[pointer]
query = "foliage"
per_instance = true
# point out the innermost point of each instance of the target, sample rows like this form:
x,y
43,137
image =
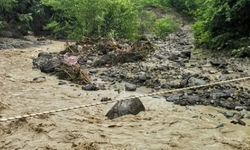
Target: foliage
x,y
22,15
146,22
165,26
94,18
222,24
185,7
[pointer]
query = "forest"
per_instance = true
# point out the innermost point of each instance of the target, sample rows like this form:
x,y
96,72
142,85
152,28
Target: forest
x,y
217,24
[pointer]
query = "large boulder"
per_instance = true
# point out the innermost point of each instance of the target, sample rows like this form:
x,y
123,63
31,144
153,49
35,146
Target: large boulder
x,y
126,107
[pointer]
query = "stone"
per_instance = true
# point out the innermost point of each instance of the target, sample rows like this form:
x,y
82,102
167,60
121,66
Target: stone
x,y
192,81
239,108
90,87
105,99
93,71
173,97
192,100
50,65
62,83
228,114
186,53
39,79
125,107
130,87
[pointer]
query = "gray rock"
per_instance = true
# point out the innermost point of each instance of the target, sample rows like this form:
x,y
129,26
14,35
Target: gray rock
x,y
186,53
105,99
192,81
130,87
239,108
220,125
192,100
50,65
228,114
90,87
173,97
93,71
39,79
62,83
126,107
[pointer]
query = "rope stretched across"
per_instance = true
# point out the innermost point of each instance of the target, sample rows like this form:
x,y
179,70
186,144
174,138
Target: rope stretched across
x,y
111,101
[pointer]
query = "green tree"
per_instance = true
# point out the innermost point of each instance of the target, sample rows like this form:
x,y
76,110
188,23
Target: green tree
x,y
222,24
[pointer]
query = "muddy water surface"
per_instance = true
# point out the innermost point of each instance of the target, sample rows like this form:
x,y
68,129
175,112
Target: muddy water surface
x,y
162,126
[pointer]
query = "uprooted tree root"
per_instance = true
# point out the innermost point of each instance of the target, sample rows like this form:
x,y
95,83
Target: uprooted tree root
x,y
74,73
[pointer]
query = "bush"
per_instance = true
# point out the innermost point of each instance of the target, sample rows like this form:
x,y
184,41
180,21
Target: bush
x,y
165,26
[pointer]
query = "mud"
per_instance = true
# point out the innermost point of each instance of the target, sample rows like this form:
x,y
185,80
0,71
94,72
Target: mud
x,y
162,126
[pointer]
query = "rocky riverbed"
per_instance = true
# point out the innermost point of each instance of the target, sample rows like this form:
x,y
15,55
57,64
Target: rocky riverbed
x,y
172,121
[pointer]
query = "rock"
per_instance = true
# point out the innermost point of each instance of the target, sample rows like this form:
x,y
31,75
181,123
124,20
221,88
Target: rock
x,y
50,65
186,53
219,63
39,79
228,114
238,122
62,83
192,100
220,125
192,81
175,83
126,107
105,99
90,87
173,97
181,102
130,87
142,77
241,122
46,62
227,105
93,71
239,108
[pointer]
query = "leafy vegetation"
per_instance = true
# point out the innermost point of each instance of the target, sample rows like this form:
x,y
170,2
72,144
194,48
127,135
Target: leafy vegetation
x,y
165,26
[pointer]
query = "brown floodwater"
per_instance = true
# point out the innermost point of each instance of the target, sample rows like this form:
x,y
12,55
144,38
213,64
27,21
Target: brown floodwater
x,y
162,126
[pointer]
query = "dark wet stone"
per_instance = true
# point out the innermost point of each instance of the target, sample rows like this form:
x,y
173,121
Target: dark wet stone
x,y
181,102
82,61
62,83
227,105
93,71
186,53
50,65
228,114
46,62
90,87
241,122
192,100
130,87
219,63
105,99
173,97
126,107
39,79
225,72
